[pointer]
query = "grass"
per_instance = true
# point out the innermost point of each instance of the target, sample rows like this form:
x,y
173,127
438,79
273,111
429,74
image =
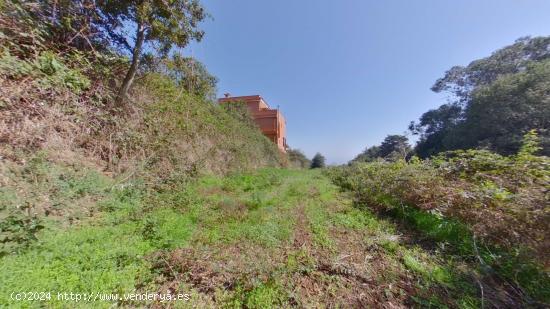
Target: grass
x,y
103,251
513,277
459,240
43,193
86,258
270,238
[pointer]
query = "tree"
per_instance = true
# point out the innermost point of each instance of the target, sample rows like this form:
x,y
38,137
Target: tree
x,y
160,25
433,128
103,25
298,159
494,101
462,81
191,75
500,114
394,147
368,155
46,23
318,161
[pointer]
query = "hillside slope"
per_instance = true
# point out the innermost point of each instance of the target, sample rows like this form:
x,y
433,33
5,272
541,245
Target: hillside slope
x,y
83,177
66,143
62,138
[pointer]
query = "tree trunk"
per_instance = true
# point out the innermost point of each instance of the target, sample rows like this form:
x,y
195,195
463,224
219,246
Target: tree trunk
x,y
129,78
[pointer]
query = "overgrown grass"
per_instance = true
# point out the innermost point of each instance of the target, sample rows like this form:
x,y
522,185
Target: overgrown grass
x,y
63,101
107,255
105,252
42,193
83,258
264,295
459,241
251,221
244,208
467,204
185,134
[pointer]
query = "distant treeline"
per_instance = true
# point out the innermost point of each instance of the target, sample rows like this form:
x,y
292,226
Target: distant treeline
x,y
492,103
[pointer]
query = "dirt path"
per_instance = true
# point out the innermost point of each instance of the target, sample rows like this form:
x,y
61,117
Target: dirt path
x,y
291,239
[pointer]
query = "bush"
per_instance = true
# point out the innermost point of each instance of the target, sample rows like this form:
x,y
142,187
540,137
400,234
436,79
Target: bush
x,y
460,196
298,159
61,98
501,199
318,161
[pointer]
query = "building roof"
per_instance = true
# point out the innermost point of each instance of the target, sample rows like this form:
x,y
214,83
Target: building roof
x,y
243,98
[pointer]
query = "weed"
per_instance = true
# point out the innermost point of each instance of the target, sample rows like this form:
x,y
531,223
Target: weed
x,y
481,207
264,295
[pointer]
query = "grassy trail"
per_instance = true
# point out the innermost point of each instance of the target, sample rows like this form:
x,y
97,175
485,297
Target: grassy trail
x,y
270,238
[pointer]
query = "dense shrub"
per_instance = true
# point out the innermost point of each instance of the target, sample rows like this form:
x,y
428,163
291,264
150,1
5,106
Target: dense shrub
x,y
488,209
297,158
504,200
318,161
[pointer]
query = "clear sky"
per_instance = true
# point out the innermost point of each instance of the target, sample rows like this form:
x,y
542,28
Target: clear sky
x,y
347,73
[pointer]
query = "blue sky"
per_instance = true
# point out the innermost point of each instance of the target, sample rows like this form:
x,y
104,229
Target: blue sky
x,y
347,73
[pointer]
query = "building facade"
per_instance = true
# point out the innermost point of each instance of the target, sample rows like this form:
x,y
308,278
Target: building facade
x,y
270,121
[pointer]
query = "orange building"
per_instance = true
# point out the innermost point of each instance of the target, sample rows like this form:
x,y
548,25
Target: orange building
x,y
271,121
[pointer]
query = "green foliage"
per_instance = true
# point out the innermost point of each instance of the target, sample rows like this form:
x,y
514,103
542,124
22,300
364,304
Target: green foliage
x,y
59,74
429,272
105,254
393,148
42,193
115,251
17,231
47,69
511,85
318,223
157,25
265,295
298,159
461,81
253,217
20,30
458,197
530,146
521,98
14,66
82,258
66,70
433,128
240,111
368,155
87,259
168,24
190,74
188,135
318,161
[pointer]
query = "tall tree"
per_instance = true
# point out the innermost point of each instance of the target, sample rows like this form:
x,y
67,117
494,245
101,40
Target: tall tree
x,y
462,81
318,161
500,114
159,25
394,147
191,75
458,124
368,155
434,126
